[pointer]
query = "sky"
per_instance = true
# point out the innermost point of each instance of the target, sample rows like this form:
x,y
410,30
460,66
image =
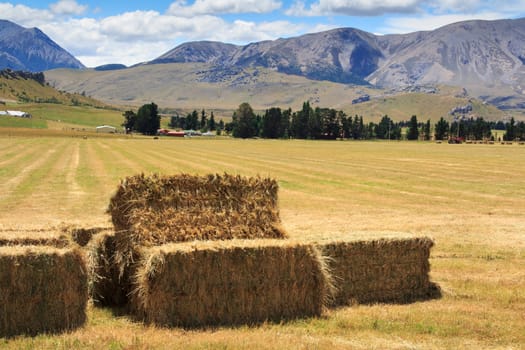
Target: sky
x,y
133,31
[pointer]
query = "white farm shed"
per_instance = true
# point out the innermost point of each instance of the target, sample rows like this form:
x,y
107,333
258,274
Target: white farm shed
x,y
106,129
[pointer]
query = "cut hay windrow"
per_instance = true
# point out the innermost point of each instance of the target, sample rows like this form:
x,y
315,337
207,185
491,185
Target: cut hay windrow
x,y
153,210
386,270
42,290
229,282
104,285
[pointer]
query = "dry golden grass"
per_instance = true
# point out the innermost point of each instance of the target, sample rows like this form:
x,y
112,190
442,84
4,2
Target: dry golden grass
x,y
469,198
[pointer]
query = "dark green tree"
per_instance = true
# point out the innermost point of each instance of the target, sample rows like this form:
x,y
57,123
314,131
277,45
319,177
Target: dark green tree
x,y
130,118
383,130
192,121
441,129
212,125
244,122
358,128
427,131
302,121
204,121
271,123
413,129
510,130
148,119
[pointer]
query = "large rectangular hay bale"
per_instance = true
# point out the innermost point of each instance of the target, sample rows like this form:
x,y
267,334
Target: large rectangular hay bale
x,y
42,289
162,209
392,270
229,282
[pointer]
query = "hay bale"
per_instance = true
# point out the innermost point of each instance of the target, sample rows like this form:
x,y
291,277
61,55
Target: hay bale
x,y
105,288
229,283
82,235
153,210
42,289
37,237
392,270
229,204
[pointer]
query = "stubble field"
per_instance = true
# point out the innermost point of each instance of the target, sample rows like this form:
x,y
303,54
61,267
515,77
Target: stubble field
x,y
469,198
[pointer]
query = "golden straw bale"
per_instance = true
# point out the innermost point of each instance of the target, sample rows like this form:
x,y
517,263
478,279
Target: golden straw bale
x,y
46,237
394,270
229,282
154,210
42,290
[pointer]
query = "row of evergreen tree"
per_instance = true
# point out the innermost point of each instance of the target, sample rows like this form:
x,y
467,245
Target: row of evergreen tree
x,y
321,123
328,123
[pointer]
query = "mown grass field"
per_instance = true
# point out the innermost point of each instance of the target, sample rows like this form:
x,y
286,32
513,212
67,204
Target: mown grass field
x,y
470,198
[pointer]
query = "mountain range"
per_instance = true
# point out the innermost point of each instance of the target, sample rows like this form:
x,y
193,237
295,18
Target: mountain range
x,y
481,56
29,49
485,58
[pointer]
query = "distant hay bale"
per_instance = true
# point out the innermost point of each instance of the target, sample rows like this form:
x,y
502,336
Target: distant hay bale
x,y
229,282
42,290
81,235
386,270
104,285
153,210
38,237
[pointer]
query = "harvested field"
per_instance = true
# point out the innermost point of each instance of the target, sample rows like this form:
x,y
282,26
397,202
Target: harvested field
x,y
470,201
230,282
42,289
394,270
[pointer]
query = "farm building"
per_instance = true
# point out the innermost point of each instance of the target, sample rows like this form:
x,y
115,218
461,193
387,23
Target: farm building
x,y
18,114
106,129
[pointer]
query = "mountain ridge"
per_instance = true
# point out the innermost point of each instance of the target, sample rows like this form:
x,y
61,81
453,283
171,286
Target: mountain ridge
x,y
478,55
32,50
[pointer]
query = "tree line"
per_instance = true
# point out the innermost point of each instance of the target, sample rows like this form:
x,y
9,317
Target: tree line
x,y
321,123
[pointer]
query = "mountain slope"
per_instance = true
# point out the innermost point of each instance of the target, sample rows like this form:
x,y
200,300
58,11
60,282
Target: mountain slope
x,y
485,57
31,50
468,53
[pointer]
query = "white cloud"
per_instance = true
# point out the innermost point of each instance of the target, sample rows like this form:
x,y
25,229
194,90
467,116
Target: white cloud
x,y
67,7
354,7
24,15
401,25
216,7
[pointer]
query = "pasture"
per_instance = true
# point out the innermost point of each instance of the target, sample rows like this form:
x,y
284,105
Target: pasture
x,y
469,198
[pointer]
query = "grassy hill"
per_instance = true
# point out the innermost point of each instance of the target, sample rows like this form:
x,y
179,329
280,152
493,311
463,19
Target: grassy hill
x,y
183,87
50,108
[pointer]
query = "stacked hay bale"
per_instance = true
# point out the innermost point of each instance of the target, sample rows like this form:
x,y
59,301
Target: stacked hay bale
x,y
229,282
153,210
205,250
392,270
43,286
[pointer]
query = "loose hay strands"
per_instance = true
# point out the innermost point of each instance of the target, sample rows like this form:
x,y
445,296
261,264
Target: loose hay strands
x,y
42,289
392,270
230,282
104,285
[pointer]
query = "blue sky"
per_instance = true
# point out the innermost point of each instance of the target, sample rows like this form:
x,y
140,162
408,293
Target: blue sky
x,y
129,32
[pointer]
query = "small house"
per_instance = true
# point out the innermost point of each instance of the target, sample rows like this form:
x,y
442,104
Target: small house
x,y
106,129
